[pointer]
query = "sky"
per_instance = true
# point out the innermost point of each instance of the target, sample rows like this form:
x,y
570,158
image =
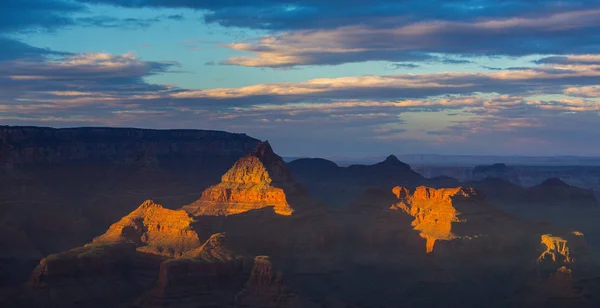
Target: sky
x,y
350,78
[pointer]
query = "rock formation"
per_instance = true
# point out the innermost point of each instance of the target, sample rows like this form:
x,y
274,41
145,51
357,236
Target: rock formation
x,y
154,229
266,288
558,249
61,187
209,276
433,209
255,181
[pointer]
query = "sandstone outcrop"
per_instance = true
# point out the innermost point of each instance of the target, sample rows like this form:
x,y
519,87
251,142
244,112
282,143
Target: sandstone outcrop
x,y
154,229
433,209
209,276
255,181
558,249
266,288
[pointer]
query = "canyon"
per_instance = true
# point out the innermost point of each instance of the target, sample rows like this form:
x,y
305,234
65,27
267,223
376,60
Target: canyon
x,y
263,233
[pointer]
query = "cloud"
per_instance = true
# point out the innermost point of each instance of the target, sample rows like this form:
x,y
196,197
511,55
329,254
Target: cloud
x,y
84,67
590,91
565,32
13,49
571,59
107,89
19,15
22,16
546,79
313,14
404,65
121,23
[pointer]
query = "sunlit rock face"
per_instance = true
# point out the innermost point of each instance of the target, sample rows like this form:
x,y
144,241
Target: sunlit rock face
x,y
255,181
433,210
154,229
558,249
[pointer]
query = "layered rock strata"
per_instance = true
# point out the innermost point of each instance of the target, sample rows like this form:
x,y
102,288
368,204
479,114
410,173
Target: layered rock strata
x,y
255,181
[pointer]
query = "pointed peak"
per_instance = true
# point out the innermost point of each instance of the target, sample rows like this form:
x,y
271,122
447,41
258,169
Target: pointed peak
x,y
392,158
149,204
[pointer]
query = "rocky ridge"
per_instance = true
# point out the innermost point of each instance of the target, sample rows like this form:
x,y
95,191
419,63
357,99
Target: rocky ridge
x,y
154,229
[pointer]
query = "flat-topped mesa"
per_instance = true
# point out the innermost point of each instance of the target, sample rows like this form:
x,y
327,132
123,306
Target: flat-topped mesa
x,y
255,181
433,209
154,229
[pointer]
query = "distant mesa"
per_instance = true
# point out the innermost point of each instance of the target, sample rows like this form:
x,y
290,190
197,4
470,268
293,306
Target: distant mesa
x,y
551,192
555,192
255,181
500,171
154,229
338,186
26,146
433,209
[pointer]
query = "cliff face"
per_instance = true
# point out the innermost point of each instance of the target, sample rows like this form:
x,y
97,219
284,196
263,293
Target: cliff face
x,y
155,230
39,145
255,181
